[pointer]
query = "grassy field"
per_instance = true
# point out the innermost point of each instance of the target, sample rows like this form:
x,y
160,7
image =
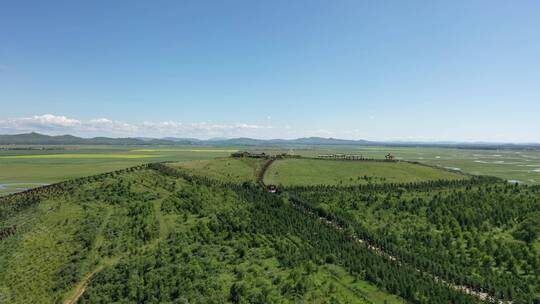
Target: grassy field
x,y
37,167
514,165
292,172
226,169
80,156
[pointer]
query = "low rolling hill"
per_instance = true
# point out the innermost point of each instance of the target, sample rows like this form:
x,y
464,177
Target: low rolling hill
x,y
205,232
302,172
146,235
237,170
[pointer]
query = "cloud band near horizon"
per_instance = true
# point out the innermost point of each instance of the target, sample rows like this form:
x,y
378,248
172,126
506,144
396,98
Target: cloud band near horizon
x,y
51,124
59,125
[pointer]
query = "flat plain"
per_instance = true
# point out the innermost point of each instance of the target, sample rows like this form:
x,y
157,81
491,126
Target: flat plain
x,y
21,169
296,172
516,165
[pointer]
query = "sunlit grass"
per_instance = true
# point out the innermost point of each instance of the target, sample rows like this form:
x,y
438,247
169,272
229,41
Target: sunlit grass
x,y
81,155
187,150
225,169
338,172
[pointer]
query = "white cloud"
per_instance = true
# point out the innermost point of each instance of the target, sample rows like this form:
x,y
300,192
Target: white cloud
x,y
55,120
202,129
45,122
104,124
53,124
58,124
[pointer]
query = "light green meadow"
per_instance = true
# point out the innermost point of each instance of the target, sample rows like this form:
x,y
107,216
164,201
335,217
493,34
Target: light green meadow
x,y
296,172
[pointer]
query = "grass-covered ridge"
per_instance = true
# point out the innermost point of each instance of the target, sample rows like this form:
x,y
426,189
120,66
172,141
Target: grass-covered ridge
x,y
161,233
33,166
306,172
45,164
144,236
235,170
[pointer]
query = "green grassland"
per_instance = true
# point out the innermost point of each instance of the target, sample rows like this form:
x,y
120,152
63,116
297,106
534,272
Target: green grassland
x,y
80,155
66,162
510,164
144,237
228,169
51,166
515,165
295,172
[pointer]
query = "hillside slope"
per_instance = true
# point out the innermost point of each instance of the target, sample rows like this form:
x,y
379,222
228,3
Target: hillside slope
x,y
144,236
156,234
234,170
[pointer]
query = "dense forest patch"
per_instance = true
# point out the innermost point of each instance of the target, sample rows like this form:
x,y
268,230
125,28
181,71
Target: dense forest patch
x,y
144,236
482,236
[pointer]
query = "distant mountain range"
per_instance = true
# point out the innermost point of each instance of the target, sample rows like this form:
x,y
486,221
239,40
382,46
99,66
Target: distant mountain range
x,y
41,139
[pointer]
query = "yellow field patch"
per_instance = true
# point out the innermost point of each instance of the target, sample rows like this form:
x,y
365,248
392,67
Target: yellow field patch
x,y
73,156
187,150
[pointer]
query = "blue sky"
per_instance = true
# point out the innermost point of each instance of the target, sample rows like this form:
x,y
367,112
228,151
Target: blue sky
x,y
383,70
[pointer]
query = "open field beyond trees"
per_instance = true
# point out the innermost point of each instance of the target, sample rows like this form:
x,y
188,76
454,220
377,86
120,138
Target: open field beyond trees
x,y
297,172
21,169
228,169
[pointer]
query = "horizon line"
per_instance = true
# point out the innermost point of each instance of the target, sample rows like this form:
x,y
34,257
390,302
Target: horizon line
x,y
381,141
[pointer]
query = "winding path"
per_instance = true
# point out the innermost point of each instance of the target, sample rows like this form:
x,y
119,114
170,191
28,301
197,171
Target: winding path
x,y
262,172
80,288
